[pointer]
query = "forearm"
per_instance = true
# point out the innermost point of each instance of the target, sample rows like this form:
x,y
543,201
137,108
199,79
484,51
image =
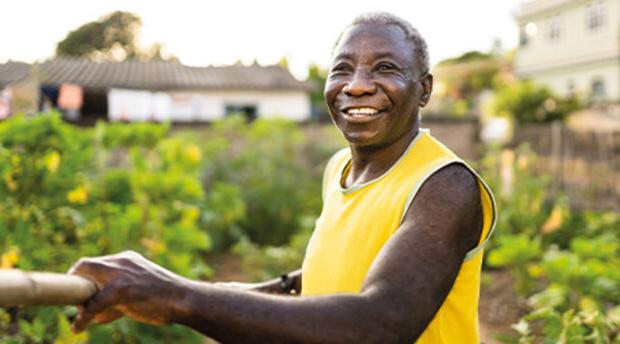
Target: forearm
x,y
232,315
287,284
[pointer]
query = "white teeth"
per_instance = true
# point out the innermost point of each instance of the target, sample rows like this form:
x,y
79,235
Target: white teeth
x,y
362,111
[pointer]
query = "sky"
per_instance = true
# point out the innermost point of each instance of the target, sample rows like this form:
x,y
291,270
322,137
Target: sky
x,y
222,32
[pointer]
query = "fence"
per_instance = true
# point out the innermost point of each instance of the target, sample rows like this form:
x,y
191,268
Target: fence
x,y
584,165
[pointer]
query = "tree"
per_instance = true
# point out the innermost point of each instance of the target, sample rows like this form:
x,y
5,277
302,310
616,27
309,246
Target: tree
x,y
317,76
460,81
527,102
111,37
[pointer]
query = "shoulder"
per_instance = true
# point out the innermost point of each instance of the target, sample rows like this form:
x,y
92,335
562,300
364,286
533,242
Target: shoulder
x,y
449,204
452,182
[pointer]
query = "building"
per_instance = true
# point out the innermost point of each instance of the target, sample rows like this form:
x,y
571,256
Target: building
x,y
154,90
571,46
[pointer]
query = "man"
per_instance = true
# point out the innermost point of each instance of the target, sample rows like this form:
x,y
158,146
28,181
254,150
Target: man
x,y
395,253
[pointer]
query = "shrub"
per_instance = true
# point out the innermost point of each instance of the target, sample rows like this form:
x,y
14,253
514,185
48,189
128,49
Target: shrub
x,y
526,102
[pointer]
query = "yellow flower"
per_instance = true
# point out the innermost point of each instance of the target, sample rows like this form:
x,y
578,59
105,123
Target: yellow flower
x,y
11,184
78,195
52,161
535,270
523,162
154,247
587,303
9,259
190,216
192,153
554,222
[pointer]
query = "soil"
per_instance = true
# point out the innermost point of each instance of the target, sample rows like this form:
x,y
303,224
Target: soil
x,y
499,306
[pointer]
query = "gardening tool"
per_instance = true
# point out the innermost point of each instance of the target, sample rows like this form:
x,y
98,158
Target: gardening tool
x,y
19,288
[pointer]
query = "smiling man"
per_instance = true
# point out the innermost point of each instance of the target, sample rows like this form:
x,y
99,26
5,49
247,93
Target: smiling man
x,y
396,253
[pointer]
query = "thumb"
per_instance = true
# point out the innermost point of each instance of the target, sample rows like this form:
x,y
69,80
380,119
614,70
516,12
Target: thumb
x,y
101,302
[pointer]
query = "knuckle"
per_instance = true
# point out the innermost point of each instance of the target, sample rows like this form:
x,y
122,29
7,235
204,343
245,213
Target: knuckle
x,y
80,265
131,253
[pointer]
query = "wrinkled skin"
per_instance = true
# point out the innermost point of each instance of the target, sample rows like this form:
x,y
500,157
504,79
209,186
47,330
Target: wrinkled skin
x,y
406,283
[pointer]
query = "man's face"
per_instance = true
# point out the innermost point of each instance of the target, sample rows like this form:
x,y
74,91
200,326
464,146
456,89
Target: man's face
x,y
372,90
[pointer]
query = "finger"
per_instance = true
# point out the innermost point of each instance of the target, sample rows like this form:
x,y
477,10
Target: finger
x,y
105,299
107,316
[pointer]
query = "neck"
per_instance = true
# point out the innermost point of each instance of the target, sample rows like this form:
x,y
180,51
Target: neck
x,y
368,163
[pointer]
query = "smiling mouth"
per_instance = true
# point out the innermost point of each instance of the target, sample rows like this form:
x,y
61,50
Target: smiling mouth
x,y
361,112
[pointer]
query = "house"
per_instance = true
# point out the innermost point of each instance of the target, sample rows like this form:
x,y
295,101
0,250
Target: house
x,y
157,90
571,46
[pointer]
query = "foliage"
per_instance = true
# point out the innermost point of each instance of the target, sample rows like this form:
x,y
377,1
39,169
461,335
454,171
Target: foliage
x,y
116,30
317,76
112,37
462,79
468,56
527,102
565,262
275,168
267,262
67,192
60,199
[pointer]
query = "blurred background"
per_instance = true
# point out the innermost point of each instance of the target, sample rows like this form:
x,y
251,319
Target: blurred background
x,y
197,135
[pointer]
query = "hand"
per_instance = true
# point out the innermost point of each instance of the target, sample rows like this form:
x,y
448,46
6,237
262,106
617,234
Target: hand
x,y
130,285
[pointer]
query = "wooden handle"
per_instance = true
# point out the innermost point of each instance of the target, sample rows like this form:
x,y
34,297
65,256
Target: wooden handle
x,y
43,288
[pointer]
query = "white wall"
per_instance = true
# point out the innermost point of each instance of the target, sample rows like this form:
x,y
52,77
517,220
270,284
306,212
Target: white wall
x,y
293,105
190,105
582,77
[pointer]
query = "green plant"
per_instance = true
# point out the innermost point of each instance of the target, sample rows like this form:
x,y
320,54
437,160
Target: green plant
x,y
527,102
60,200
565,262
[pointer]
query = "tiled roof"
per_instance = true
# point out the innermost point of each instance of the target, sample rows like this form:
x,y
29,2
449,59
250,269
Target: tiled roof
x,y
154,75
11,72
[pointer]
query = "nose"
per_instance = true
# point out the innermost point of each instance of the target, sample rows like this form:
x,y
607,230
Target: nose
x,y
360,84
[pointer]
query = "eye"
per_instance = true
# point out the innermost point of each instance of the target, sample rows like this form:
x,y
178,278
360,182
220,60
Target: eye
x,y
386,67
341,68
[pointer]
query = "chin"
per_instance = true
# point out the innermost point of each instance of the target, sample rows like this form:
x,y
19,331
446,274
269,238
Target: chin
x,y
361,139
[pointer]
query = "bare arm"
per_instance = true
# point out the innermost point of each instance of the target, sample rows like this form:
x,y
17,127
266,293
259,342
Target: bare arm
x,y
405,286
287,284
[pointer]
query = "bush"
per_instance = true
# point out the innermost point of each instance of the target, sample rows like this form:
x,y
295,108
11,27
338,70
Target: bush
x,y
565,262
59,201
67,192
277,171
526,102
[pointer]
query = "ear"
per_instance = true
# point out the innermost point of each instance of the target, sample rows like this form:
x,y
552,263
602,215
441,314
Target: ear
x,y
427,89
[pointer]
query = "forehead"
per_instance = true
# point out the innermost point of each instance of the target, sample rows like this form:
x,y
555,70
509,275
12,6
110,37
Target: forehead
x,y
375,40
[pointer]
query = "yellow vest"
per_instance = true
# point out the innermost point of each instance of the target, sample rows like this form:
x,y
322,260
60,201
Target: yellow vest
x,y
356,222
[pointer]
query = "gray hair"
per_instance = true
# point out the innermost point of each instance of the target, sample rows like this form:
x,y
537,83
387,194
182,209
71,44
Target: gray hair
x,y
420,49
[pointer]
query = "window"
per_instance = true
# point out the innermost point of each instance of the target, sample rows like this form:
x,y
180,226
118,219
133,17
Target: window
x,y
553,28
598,88
247,111
570,87
595,15
526,32
522,37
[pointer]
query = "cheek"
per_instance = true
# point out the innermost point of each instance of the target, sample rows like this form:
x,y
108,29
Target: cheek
x,y
331,90
404,96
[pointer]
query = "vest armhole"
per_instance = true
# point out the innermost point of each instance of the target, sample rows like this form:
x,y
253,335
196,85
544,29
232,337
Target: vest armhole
x,y
473,252
327,174
436,166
